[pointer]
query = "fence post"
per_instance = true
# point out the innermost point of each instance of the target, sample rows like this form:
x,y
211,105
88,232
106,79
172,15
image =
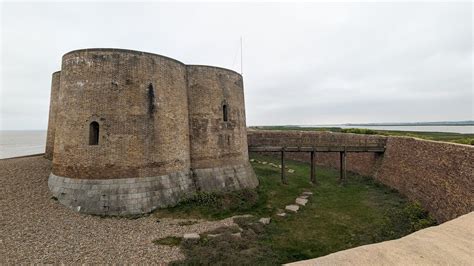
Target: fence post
x,y
313,168
283,176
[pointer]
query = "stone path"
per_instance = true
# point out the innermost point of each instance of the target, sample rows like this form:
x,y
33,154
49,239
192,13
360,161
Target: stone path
x,y
300,201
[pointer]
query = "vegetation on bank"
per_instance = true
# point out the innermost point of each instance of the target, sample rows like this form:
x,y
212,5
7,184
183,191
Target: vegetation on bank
x,y
336,217
436,136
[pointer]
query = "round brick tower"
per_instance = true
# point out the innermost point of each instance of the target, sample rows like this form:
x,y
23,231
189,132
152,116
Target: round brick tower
x,y
121,138
219,152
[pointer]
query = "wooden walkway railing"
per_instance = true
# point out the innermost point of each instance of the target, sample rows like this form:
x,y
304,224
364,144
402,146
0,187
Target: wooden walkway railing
x,y
343,150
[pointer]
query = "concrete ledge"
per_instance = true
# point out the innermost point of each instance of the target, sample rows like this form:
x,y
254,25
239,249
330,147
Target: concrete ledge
x,y
130,196
125,196
225,178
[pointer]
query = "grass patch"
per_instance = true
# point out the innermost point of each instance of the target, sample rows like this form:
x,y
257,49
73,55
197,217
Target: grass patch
x,y
168,241
335,218
228,248
213,205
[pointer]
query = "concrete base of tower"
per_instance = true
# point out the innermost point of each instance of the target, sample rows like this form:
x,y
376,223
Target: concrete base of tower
x,y
225,178
132,196
125,196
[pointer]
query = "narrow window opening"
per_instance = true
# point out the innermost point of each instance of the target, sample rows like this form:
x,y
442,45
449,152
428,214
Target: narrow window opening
x,y
94,133
151,99
225,112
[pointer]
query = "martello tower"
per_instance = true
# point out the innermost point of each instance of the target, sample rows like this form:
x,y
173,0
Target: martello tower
x,y
131,131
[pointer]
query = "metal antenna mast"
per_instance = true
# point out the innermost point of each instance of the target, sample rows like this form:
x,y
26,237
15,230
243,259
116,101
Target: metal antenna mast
x,y
241,57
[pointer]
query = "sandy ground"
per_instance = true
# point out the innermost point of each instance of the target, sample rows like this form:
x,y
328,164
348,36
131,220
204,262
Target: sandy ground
x,y
451,243
36,229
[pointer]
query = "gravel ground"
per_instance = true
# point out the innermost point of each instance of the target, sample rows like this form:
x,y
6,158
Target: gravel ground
x,y
37,229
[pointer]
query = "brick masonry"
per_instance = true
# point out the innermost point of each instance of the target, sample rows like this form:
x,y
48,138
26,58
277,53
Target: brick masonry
x,y
52,115
157,117
438,175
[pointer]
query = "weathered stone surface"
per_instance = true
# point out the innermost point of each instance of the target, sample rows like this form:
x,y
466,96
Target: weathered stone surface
x,y
52,115
291,171
265,220
307,193
292,208
281,214
303,196
121,196
301,201
239,235
225,178
191,236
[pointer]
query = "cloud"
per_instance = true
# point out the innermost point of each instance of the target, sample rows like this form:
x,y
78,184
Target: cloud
x,y
304,63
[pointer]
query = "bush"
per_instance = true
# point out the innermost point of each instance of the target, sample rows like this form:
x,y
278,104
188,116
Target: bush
x,y
401,222
241,200
359,131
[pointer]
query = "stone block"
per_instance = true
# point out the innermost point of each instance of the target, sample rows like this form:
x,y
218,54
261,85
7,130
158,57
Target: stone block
x,y
191,236
292,208
301,201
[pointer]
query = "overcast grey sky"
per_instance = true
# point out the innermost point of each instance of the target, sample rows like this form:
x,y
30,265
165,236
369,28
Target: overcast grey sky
x,y
313,63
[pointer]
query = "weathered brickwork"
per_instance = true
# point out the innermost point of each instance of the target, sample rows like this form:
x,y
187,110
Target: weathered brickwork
x,y
123,114
438,175
215,142
52,115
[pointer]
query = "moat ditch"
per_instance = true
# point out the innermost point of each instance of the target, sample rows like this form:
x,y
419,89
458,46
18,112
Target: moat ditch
x,y
336,217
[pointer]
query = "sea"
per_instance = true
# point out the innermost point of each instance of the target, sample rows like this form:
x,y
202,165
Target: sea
x,y
15,143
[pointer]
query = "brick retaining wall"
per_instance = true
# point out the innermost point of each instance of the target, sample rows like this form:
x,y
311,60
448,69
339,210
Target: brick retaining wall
x,y
439,175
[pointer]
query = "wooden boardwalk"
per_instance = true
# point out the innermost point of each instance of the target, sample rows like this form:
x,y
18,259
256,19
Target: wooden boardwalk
x,y
342,150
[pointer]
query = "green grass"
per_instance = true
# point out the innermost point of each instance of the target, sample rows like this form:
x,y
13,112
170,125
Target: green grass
x,y
336,217
168,241
436,136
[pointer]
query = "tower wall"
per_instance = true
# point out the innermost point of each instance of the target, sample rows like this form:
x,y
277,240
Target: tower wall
x,y
219,152
142,161
123,142
53,106
140,103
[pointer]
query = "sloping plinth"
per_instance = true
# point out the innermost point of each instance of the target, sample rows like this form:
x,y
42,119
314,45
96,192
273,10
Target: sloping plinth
x,y
131,196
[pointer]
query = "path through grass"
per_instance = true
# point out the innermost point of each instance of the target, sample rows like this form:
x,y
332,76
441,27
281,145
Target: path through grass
x,y
336,217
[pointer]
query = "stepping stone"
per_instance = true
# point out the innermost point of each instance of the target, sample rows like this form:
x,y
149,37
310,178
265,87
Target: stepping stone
x,y
237,235
252,160
293,208
191,236
303,196
291,171
282,214
301,201
213,235
264,162
279,166
265,220
307,193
